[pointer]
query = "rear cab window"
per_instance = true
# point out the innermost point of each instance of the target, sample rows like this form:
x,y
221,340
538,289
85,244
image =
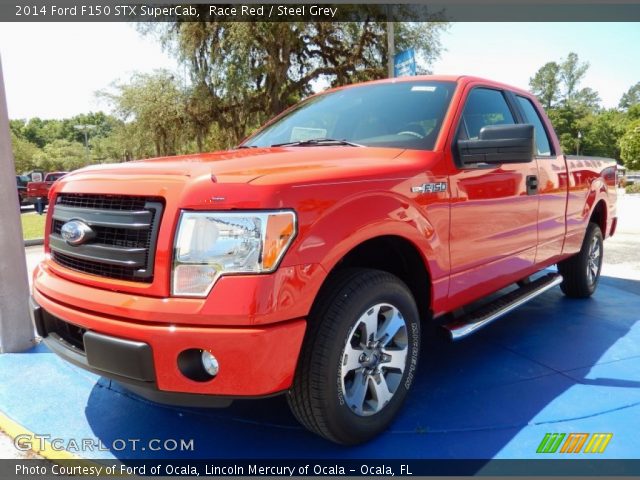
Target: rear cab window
x,y
532,116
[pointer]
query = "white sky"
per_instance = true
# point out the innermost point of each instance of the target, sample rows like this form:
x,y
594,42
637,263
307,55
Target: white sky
x,y
512,52
52,70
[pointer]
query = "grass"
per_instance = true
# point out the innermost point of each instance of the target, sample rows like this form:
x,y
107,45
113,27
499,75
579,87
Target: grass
x,y
633,188
32,225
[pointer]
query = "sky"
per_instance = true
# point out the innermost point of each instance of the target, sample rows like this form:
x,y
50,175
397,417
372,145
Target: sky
x,y
52,70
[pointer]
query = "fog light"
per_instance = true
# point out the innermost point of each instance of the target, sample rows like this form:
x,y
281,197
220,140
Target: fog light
x,y
210,363
198,365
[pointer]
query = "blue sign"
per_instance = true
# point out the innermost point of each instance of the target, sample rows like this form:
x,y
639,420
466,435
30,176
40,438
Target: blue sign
x,y
404,63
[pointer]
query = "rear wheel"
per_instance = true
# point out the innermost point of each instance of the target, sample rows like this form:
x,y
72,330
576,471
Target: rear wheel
x,y
581,272
359,357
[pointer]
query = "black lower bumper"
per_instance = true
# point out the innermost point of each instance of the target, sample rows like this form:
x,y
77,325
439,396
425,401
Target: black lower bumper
x,y
128,362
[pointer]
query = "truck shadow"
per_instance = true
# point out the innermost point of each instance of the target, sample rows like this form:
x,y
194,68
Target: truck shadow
x,y
545,367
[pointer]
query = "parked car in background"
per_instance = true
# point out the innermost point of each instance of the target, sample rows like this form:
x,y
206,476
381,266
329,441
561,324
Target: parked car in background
x,y
40,190
21,184
632,178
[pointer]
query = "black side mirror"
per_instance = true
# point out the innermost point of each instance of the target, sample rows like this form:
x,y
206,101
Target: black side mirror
x,y
499,144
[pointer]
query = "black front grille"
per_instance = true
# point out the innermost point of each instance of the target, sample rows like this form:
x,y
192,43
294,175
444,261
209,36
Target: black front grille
x,y
96,268
123,238
102,202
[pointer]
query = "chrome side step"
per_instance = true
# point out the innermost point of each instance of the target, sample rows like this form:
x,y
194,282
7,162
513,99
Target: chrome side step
x,y
471,323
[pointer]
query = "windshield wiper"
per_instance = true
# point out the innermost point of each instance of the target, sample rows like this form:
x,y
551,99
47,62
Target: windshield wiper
x,y
316,142
246,146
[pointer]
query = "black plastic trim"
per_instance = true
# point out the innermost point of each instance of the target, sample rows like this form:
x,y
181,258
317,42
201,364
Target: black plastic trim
x,y
35,311
105,355
125,358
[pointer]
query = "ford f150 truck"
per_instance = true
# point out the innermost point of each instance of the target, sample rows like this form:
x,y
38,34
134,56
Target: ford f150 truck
x,y
307,260
37,190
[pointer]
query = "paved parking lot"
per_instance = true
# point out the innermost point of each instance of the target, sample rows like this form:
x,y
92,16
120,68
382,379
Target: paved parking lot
x,y
622,251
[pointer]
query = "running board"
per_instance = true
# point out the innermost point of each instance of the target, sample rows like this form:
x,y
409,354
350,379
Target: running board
x,y
471,323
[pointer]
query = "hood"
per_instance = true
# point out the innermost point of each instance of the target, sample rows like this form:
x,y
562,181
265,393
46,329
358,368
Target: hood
x,y
260,165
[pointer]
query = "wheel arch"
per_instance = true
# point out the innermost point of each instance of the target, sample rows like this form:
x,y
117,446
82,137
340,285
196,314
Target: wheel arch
x,y
599,215
400,257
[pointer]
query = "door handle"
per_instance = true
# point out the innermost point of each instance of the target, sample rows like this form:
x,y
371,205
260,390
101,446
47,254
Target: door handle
x,y
532,184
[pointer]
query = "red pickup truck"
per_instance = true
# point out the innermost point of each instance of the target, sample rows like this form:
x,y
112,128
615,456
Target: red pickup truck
x,y
307,260
37,190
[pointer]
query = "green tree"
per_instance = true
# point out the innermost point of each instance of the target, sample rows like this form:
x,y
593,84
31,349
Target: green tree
x,y
631,97
24,153
575,111
586,99
33,132
545,84
241,74
630,146
102,125
62,155
16,127
153,105
572,72
633,113
558,84
602,132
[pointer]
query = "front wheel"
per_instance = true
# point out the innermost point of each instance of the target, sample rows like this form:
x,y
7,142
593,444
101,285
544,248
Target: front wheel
x,y
359,357
581,272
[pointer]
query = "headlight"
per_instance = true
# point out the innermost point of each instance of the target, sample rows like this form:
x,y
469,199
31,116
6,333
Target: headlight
x,y
211,244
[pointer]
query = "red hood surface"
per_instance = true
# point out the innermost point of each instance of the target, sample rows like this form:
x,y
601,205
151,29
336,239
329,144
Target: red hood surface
x,y
261,165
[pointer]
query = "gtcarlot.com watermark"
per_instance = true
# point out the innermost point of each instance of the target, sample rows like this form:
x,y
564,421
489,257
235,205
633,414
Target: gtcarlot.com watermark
x,y
41,442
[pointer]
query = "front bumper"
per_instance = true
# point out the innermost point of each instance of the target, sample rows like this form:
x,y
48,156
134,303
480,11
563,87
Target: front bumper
x,y
254,361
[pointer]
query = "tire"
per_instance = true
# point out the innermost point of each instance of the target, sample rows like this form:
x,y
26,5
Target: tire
x,y
581,272
346,389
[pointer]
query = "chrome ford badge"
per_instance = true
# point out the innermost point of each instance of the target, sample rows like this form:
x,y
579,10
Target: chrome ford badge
x,y
76,232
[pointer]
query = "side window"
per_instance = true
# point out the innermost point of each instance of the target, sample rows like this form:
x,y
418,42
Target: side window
x,y
531,116
484,107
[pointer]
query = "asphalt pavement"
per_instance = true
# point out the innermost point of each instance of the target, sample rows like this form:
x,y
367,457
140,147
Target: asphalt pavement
x,y
622,251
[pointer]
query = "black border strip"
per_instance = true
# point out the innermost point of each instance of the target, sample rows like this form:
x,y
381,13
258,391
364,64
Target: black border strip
x,y
340,467
440,10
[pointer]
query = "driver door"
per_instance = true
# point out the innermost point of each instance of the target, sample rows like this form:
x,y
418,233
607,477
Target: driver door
x,y
493,233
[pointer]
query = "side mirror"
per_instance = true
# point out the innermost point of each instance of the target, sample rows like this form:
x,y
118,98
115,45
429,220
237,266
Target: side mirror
x,y
499,144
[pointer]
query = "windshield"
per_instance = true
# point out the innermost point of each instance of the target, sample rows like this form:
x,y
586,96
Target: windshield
x,y
397,115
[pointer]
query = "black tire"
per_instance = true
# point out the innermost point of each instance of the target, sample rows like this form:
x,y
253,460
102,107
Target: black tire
x,y
581,272
320,395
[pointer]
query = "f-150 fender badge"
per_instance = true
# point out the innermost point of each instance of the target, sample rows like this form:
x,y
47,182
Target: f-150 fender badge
x,y
430,188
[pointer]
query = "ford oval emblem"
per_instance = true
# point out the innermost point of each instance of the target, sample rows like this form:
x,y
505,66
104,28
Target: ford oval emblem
x,y
76,232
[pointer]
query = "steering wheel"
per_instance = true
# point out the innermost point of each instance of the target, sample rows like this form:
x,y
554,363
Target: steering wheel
x,y
409,132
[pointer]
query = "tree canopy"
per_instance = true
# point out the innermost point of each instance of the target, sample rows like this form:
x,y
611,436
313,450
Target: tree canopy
x,y
630,98
56,144
575,111
241,74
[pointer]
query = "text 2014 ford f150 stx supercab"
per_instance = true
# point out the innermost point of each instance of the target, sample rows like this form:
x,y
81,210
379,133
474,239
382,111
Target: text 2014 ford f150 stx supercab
x,y
306,260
